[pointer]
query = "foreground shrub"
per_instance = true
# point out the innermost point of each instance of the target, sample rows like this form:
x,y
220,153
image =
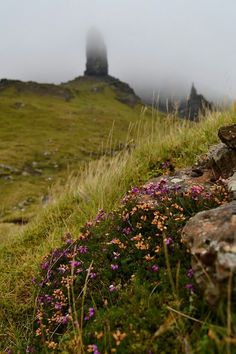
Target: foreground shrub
x,y
110,289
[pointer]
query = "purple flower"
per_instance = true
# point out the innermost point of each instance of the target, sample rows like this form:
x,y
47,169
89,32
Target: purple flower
x,y
79,270
56,253
95,349
196,191
65,319
155,268
91,312
101,215
75,264
166,164
92,275
114,266
48,298
69,241
176,187
168,241
190,273
29,349
44,299
58,305
135,190
83,249
45,265
33,280
190,288
112,288
127,230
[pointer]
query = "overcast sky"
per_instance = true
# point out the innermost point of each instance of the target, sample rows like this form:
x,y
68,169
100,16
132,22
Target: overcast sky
x,y
151,44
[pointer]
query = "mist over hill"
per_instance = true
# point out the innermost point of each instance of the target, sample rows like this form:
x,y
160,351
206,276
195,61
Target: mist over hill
x,y
158,46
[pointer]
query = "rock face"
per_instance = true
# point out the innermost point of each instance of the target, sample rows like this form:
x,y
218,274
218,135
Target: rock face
x,y
211,237
221,160
228,136
96,53
195,106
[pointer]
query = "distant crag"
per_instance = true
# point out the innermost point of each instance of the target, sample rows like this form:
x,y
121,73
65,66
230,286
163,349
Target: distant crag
x,y
192,108
97,69
96,54
195,106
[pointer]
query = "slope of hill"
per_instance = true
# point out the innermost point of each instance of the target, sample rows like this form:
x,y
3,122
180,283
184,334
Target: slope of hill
x,y
49,130
136,319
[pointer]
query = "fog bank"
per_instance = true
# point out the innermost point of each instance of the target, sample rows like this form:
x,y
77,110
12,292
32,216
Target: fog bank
x,y
159,46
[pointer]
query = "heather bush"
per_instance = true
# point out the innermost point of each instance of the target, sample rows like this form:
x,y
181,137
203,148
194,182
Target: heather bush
x,y
110,288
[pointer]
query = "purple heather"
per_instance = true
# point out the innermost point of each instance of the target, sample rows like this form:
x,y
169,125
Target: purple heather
x,y
155,268
83,249
58,305
114,266
112,288
190,273
92,275
91,311
75,264
168,241
45,265
190,288
126,230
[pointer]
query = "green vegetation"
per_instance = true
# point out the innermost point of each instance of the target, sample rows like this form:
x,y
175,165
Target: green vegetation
x,y
101,184
44,135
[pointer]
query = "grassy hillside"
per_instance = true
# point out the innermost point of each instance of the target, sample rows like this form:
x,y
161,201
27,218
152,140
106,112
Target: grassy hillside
x,y
46,132
102,184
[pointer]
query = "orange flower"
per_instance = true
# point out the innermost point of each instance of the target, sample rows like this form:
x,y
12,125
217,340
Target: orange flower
x,y
148,257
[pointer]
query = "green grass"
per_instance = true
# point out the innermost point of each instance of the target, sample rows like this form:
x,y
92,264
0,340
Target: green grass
x,y
99,184
43,138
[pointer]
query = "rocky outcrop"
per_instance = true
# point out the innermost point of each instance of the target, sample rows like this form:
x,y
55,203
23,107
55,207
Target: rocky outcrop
x,y
96,53
37,89
123,92
211,237
228,136
195,106
220,160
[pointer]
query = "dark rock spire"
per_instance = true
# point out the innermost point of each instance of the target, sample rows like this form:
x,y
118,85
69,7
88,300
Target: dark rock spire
x,y
96,53
193,92
196,105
